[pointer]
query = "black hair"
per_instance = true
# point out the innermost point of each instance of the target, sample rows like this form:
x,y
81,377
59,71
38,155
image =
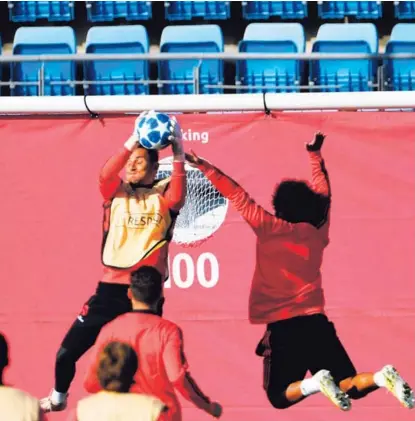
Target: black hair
x,y
153,155
4,356
147,285
295,201
117,366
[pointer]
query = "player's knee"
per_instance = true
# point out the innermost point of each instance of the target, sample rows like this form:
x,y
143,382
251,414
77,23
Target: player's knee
x,y
64,356
356,394
278,400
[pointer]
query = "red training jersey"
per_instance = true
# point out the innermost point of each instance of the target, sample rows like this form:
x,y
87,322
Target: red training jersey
x,y
287,279
161,360
173,199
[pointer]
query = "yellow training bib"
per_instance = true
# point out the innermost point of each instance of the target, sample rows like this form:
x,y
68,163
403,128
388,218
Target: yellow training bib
x,y
139,223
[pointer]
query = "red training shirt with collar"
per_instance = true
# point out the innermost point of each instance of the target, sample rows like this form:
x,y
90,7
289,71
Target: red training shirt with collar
x,y
161,360
287,279
174,196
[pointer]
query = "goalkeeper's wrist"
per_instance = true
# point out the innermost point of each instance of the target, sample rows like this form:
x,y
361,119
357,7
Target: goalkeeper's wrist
x,y
131,143
178,152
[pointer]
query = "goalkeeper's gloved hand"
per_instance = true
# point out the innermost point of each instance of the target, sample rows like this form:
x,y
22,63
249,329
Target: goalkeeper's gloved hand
x,y
176,131
134,140
317,143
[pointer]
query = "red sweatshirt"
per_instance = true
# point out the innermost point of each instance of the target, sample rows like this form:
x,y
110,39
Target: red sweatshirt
x,y
166,208
161,360
287,279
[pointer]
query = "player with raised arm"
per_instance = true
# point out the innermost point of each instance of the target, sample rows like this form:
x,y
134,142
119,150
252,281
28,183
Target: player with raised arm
x,y
139,217
158,344
287,294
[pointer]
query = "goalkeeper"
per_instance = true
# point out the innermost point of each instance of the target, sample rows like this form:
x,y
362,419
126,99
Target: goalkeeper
x,y
139,216
287,294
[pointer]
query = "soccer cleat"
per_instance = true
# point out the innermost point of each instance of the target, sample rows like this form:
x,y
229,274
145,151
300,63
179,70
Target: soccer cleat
x,y
47,404
330,389
398,386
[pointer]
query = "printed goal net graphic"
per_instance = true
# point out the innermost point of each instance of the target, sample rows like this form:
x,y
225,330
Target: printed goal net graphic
x,y
204,210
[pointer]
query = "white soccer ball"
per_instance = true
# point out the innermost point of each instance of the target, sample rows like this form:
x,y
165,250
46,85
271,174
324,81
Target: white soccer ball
x,y
154,130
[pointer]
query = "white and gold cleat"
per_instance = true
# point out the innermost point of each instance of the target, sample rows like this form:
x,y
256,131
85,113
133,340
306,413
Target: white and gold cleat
x,y
398,386
330,389
48,405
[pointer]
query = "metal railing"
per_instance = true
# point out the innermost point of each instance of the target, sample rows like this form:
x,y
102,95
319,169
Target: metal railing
x,y
195,81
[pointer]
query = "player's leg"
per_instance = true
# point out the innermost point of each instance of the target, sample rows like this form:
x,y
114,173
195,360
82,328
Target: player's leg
x,y
388,377
281,375
332,355
109,302
285,352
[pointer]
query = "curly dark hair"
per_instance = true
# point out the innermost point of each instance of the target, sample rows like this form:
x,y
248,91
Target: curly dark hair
x,y
295,201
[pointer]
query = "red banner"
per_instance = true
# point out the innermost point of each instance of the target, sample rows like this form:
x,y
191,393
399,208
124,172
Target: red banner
x,y
50,229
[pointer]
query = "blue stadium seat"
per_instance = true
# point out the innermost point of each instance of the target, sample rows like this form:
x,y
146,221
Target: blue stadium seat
x,y
400,73
30,11
58,76
263,10
345,74
405,9
107,11
187,10
271,75
358,9
129,39
191,39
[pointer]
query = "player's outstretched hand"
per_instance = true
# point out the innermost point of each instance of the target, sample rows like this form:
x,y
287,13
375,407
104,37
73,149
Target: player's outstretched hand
x,y
215,409
194,160
134,140
316,144
137,120
176,132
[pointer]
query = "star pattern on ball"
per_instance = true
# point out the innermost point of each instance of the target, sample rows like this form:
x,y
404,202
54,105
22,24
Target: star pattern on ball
x,y
154,130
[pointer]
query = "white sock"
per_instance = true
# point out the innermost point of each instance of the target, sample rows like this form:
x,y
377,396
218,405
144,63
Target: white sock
x,y
379,379
309,386
57,397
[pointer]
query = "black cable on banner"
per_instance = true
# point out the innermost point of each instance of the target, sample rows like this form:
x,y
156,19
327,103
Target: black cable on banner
x,y
91,113
266,109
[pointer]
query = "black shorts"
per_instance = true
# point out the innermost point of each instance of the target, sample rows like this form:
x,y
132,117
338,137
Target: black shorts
x,y
294,346
108,302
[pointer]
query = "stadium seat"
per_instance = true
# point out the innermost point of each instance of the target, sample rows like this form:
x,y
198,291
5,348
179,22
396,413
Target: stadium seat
x,y
107,11
58,76
30,11
263,10
117,77
271,75
400,73
342,9
345,74
191,39
187,10
405,9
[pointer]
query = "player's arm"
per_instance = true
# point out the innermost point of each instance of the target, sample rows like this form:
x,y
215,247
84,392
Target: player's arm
x,y
319,175
257,217
176,192
176,368
320,181
109,179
